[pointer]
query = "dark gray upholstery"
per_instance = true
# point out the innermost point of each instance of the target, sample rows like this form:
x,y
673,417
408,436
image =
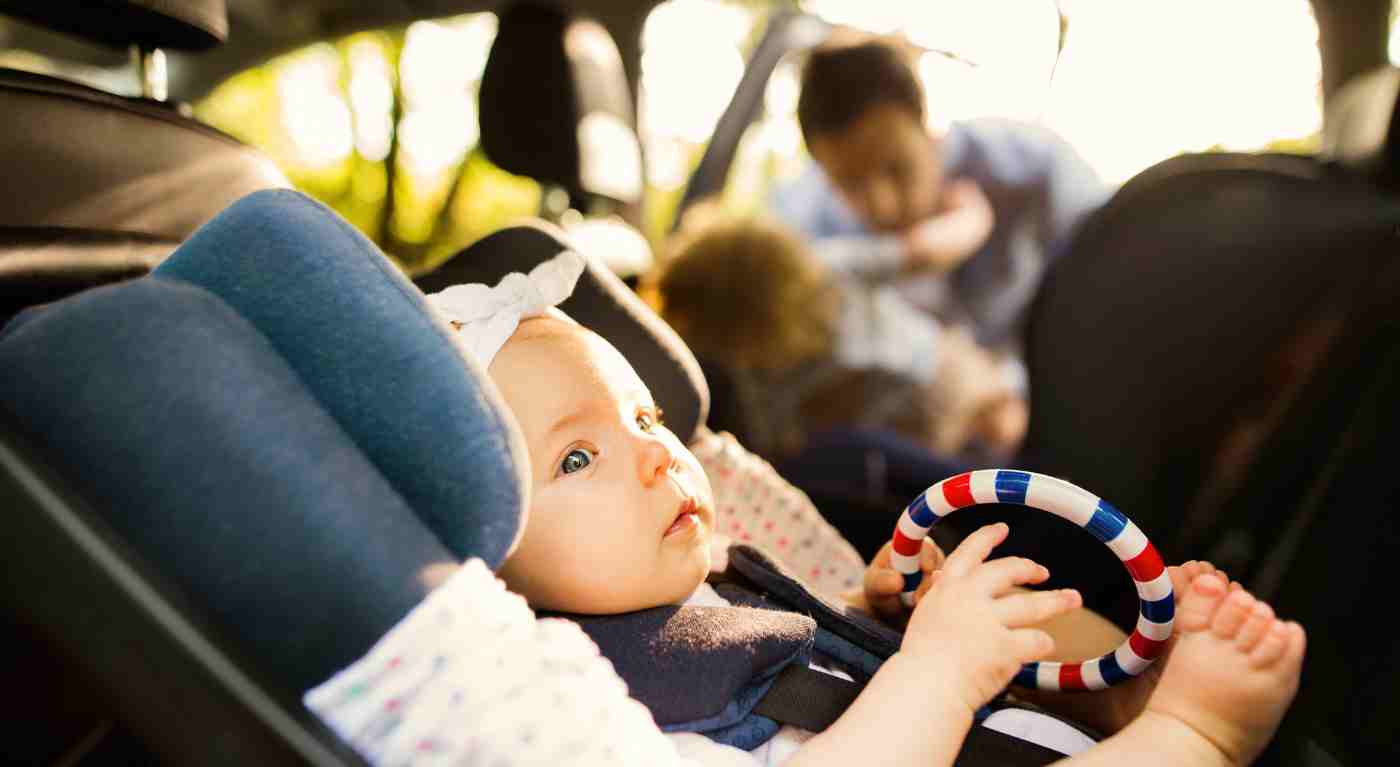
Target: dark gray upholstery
x,y
603,303
176,24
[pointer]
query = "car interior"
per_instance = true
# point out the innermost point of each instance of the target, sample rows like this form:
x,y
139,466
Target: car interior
x,y
1219,352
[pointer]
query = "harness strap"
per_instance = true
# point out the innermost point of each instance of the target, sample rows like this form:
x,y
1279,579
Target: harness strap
x,y
807,698
812,700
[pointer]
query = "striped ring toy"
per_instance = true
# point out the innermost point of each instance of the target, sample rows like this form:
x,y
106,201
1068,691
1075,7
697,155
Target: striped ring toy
x,y
1077,505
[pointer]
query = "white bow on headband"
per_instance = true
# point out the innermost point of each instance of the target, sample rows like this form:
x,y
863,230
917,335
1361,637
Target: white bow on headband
x,y
485,317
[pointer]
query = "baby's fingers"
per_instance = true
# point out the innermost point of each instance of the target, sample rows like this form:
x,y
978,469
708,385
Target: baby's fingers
x,y
999,575
1030,644
1028,608
930,557
974,549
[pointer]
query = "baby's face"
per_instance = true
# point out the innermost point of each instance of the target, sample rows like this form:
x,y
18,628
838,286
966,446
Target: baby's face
x,y
621,512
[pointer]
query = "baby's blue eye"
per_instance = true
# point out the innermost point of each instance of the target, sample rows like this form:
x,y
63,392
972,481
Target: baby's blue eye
x,y
577,459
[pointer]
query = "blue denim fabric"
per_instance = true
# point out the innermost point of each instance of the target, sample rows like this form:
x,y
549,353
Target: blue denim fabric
x,y
194,441
363,341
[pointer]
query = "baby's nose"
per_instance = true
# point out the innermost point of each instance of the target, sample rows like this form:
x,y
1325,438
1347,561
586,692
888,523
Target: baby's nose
x,y
654,460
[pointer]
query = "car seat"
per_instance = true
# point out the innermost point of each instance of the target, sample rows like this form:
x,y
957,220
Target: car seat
x,y
217,492
157,514
104,186
556,106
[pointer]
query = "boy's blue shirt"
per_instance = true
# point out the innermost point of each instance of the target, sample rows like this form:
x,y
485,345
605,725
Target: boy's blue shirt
x,y
1040,190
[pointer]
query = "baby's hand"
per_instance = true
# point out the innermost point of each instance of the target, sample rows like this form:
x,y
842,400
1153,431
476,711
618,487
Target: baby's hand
x,y
975,625
883,583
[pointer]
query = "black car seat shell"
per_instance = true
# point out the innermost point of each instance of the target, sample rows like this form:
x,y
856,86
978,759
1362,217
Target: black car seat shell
x,y
103,186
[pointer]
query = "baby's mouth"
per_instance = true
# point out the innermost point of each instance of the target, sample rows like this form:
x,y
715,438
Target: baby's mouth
x,y
687,518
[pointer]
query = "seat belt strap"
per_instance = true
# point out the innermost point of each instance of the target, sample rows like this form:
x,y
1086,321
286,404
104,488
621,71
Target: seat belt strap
x,y
807,698
813,700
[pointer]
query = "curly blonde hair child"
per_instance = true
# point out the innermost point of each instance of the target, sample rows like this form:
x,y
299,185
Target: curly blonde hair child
x,y
812,348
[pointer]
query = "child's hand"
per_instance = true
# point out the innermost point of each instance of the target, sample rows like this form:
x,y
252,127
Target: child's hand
x,y
974,625
967,396
949,237
1001,423
883,583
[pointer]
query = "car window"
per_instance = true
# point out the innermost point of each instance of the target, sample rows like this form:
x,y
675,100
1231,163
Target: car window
x,y
1126,84
382,127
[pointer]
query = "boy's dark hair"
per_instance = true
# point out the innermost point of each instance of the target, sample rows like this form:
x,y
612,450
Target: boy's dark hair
x,y
841,83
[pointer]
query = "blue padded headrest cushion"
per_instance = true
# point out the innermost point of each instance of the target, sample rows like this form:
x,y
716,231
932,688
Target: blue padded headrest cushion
x,y
364,342
192,439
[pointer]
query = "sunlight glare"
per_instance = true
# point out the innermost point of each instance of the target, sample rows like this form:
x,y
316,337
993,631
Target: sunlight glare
x,y
315,117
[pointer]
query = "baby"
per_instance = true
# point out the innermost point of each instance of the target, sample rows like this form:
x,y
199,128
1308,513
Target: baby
x,y
620,519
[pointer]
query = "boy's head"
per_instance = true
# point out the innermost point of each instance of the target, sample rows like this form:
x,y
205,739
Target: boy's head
x,y
621,512
747,293
861,110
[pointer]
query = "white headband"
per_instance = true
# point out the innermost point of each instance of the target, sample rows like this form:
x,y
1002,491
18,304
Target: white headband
x,y
484,317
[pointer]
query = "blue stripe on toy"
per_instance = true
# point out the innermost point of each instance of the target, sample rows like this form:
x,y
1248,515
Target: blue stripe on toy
x,y
1026,676
1011,486
919,511
912,581
1109,669
1106,523
1158,611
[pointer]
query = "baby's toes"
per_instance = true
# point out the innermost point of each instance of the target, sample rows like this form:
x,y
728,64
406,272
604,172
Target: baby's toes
x,y
1255,627
1273,646
1231,616
1196,568
1297,643
1199,603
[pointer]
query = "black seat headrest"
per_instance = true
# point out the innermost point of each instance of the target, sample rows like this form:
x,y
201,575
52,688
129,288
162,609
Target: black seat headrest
x,y
556,106
601,302
184,25
110,185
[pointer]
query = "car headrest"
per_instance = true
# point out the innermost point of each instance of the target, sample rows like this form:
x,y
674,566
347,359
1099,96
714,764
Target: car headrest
x,y
556,105
186,25
1362,127
364,342
195,442
602,303
92,210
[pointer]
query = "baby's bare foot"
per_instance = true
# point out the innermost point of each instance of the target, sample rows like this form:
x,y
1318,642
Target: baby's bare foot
x,y
1234,667
1123,703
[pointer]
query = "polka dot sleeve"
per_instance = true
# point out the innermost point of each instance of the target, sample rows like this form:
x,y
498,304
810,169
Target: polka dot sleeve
x,y
470,676
756,506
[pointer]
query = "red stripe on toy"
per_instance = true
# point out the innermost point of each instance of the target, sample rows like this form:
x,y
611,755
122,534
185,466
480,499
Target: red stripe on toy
x,y
1146,566
1071,677
958,490
1147,649
905,545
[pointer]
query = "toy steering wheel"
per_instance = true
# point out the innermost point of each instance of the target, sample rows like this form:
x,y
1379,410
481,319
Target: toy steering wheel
x,y
1073,503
